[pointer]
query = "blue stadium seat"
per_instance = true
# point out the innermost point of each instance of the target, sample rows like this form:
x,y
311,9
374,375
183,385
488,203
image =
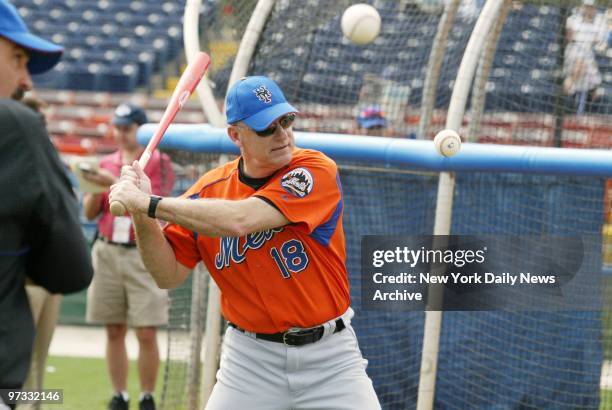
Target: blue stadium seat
x,y
80,76
27,4
115,7
91,16
146,34
60,4
146,60
34,4
74,54
122,78
51,79
175,38
148,20
143,34
159,46
32,15
125,18
66,16
172,9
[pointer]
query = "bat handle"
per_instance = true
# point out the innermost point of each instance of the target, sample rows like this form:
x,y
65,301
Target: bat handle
x,y
117,208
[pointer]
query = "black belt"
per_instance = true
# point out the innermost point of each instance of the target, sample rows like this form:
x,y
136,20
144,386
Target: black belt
x,y
125,245
295,337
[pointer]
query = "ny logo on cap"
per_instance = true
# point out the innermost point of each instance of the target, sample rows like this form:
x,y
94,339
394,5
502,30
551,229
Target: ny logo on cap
x,y
263,94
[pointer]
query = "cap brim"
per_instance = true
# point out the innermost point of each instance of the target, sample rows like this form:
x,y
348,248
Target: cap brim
x,y
44,55
264,118
122,121
372,122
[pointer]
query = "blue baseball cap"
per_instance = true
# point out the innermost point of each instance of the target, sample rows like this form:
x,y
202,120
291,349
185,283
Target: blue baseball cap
x,y
44,54
126,114
257,101
371,117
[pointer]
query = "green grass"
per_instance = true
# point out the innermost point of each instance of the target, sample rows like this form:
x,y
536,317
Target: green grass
x,y
605,400
607,317
86,383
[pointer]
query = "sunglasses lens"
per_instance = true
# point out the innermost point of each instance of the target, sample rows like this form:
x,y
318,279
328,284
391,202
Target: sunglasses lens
x,y
284,122
287,120
267,132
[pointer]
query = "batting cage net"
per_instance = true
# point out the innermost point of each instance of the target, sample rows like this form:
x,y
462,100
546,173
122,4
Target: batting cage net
x,y
544,78
526,359
184,332
333,80
187,316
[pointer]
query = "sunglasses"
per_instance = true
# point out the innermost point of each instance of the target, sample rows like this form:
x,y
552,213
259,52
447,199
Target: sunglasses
x,y
286,121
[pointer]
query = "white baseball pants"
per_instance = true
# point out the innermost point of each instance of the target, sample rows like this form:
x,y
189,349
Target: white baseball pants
x,y
326,375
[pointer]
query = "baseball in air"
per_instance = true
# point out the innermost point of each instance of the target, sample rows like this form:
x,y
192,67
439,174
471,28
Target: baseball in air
x,y
447,143
360,23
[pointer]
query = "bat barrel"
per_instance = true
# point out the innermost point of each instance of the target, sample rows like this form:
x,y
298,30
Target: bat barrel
x,y
188,82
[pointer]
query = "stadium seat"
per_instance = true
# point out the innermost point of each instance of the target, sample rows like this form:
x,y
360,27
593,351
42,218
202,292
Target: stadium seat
x,y
171,8
119,78
51,79
146,60
148,34
82,76
151,31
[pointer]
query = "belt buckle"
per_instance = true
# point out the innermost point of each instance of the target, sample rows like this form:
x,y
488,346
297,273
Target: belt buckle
x,y
310,332
288,332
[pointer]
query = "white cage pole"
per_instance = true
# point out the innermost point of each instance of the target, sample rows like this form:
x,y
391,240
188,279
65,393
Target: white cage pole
x,y
479,90
191,41
195,336
247,45
249,40
434,65
212,338
446,186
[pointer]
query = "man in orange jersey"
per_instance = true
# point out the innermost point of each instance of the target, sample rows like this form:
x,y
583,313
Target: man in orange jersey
x,y
268,226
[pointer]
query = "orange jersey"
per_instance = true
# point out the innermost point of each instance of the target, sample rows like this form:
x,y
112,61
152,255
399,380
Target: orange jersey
x,y
293,276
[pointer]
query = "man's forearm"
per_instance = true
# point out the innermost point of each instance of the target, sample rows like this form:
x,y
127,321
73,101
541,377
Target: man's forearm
x,y
210,217
92,205
156,253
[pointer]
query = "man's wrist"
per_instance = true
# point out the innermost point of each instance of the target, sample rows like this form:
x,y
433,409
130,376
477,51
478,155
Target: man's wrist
x,y
154,201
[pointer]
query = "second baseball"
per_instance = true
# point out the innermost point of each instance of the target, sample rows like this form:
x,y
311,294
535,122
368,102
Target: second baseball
x,y
360,23
447,143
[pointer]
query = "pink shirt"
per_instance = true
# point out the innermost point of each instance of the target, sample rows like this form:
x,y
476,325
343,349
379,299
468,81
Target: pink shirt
x,y
159,170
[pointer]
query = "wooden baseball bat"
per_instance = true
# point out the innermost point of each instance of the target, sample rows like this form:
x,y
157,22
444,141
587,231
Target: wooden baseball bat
x,y
187,83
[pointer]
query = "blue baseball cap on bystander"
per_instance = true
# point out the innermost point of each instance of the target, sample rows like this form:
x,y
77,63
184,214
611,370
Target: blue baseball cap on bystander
x,y
257,101
371,117
127,114
44,54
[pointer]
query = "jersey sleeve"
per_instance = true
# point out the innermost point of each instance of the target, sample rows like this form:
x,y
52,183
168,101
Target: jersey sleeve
x,y
308,193
184,244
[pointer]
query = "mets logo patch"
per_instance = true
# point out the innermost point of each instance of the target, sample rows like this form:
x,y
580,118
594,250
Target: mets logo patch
x,y
263,94
298,182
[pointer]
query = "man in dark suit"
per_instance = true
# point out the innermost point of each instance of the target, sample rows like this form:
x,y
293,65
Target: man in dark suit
x,y
40,233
